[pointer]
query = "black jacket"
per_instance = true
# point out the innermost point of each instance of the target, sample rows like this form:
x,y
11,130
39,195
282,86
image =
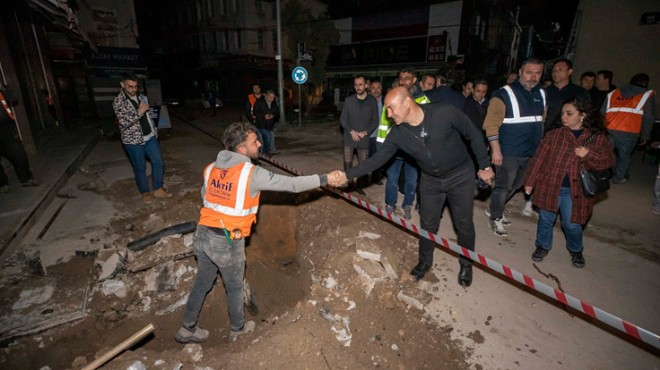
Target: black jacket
x,y
436,144
261,109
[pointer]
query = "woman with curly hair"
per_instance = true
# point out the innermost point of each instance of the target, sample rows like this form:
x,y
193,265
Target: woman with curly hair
x,y
554,176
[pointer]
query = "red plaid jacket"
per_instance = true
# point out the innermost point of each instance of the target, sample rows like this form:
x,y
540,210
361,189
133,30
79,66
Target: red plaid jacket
x,y
555,158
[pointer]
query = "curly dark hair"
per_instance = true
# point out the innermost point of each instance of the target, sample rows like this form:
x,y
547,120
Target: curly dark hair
x,y
236,134
593,119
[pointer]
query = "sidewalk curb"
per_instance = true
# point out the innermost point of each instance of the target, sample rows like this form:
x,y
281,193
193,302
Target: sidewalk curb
x,y
22,229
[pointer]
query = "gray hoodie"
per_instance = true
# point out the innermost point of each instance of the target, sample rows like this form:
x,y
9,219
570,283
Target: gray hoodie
x,y
262,179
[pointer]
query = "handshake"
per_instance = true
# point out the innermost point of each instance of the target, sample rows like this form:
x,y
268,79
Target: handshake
x,y
337,178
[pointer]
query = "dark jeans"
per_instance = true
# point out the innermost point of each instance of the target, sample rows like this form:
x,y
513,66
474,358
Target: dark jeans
x,y
12,149
215,254
625,144
508,179
138,154
458,189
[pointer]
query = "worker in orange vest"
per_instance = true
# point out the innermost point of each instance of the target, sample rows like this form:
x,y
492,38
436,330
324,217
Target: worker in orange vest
x,y
230,193
11,146
629,114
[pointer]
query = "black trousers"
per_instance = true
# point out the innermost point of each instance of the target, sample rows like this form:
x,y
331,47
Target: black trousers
x,y
458,189
12,149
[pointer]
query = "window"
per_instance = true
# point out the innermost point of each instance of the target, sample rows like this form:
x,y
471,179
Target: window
x,y
274,10
275,41
260,40
209,8
220,44
235,6
198,10
259,5
239,39
223,7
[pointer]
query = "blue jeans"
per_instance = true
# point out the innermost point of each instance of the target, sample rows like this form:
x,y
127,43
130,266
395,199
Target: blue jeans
x,y
625,144
215,254
265,136
137,155
508,179
392,185
572,231
458,189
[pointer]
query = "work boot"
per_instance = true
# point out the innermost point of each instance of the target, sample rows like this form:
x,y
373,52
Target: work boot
x,y
197,335
162,194
147,198
390,209
419,271
247,327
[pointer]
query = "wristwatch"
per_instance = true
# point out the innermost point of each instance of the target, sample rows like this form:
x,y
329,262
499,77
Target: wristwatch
x,y
486,169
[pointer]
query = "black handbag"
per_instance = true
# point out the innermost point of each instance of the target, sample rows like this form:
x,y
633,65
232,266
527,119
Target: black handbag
x,y
594,182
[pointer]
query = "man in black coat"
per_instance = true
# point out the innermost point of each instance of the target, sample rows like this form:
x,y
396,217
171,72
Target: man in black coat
x,y
266,113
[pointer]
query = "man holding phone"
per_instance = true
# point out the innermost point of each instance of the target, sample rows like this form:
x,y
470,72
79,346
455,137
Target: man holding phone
x,y
140,138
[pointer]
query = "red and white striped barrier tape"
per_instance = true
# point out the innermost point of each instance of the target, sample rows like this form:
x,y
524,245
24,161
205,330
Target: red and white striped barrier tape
x,y
605,317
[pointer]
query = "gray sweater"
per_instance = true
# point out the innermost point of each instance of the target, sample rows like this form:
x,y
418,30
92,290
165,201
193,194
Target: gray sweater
x,y
262,179
359,116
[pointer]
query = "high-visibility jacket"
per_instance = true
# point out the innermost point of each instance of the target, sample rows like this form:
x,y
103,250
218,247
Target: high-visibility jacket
x,y
252,99
227,200
6,107
385,124
625,113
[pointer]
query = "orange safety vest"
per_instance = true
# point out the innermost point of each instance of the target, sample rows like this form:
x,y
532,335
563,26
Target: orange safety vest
x,y
625,114
6,106
227,200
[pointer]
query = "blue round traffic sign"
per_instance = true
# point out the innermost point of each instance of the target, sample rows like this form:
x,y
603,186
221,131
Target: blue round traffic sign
x,y
299,75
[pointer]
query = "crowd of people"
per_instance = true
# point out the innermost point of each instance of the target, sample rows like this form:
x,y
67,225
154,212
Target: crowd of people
x,y
537,139
436,145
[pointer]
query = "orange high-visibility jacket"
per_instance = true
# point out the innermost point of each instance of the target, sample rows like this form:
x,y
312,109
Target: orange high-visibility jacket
x,y
6,107
227,200
625,113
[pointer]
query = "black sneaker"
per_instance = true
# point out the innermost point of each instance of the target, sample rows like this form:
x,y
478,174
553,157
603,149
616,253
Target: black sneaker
x,y
539,254
577,259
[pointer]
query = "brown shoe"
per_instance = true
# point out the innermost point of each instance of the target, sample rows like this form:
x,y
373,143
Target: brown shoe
x,y
162,194
147,198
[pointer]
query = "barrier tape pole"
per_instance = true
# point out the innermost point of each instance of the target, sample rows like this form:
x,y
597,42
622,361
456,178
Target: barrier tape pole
x,y
605,317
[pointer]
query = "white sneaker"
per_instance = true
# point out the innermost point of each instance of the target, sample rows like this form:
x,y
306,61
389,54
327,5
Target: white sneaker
x,y
505,220
527,210
247,327
497,227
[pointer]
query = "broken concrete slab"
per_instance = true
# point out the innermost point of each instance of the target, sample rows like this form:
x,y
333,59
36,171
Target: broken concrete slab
x,y
111,266
372,270
368,249
415,297
169,248
391,262
49,304
116,287
369,273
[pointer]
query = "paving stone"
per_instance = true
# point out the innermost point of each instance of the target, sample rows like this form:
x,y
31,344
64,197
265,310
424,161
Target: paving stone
x,y
415,297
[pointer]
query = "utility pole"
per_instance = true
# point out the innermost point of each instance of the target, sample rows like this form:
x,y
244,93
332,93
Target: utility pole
x,y
280,73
